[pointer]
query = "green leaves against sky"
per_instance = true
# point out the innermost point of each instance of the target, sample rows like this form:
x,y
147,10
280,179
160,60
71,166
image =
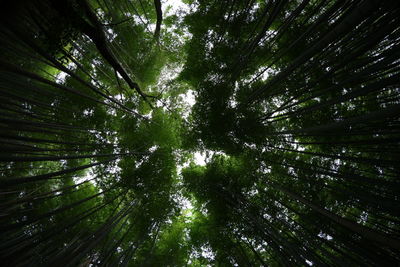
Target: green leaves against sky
x,y
199,133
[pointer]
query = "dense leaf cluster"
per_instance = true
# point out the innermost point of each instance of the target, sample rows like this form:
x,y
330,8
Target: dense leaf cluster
x,y
106,105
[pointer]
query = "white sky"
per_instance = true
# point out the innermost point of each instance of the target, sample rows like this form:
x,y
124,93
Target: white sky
x,y
189,98
175,5
200,158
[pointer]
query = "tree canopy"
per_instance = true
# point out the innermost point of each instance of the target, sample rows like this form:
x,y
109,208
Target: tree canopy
x,y
200,133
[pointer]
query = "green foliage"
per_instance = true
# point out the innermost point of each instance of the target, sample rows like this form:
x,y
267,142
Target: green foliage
x,y
296,107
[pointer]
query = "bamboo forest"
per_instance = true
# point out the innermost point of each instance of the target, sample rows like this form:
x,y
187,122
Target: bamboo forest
x,y
200,133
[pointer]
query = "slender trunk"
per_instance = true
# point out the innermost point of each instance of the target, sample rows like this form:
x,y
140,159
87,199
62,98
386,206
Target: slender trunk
x,y
157,5
51,175
363,231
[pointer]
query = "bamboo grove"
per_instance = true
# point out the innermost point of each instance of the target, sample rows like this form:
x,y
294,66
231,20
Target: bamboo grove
x,y
297,109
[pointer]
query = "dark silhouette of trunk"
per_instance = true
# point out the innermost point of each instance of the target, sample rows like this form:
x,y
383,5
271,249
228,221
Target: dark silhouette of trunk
x,y
157,5
363,231
56,158
95,31
51,175
358,14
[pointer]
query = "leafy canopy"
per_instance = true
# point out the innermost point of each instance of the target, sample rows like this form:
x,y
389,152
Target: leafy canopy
x,y
199,133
